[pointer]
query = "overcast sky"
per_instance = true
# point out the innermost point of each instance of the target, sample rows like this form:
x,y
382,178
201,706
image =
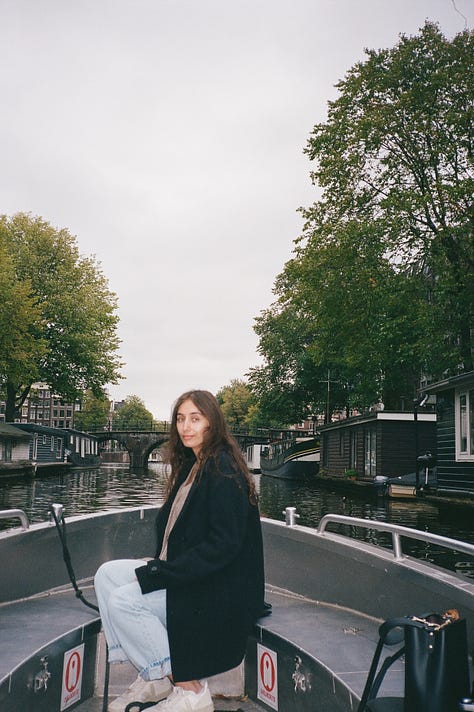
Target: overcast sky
x,y
168,137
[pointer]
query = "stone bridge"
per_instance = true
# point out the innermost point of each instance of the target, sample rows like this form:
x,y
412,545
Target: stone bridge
x,y
138,443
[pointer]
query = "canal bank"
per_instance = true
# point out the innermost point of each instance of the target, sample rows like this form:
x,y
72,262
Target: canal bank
x,y
366,487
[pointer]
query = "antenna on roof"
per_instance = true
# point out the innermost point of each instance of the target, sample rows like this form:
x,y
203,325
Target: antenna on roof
x,y
460,13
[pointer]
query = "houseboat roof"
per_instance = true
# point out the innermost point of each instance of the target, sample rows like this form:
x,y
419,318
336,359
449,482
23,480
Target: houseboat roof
x,y
10,431
399,416
43,429
450,382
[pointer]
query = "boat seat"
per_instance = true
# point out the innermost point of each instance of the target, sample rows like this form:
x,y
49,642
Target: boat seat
x,y
323,655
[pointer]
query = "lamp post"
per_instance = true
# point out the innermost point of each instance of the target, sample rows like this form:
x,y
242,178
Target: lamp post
x,y
328,381
418,402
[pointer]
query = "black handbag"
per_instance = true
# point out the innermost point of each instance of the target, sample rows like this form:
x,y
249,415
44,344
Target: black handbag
x,y
436,664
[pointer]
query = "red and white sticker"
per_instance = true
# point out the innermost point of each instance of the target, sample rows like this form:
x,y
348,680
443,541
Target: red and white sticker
x,y
72,676
267,676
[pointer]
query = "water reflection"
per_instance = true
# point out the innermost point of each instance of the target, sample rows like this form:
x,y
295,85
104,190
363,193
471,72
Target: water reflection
x,y
112,486
84,491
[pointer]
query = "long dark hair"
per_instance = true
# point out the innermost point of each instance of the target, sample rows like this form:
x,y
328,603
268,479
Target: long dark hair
x,y
217,437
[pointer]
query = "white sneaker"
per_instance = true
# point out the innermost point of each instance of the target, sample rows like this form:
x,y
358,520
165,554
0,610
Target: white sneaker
x,y
141,691
186,701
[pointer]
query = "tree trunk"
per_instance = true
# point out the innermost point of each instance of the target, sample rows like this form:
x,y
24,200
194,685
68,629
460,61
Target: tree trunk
x,y
10,405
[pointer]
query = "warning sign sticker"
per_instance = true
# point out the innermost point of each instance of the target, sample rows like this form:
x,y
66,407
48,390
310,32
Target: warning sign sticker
x,y
72,676
267,676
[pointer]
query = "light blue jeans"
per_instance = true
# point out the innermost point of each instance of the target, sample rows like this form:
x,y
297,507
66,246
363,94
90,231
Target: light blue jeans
x,y
134,624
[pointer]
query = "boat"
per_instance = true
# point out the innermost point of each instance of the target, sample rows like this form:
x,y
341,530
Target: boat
x,y
291,458
398,491
406,485
329,594
252,457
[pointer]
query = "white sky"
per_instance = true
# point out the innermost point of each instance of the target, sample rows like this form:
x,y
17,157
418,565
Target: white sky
x,y
168,137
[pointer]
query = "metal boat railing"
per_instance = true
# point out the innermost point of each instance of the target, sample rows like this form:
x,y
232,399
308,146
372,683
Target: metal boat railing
x,y
397,532
15,514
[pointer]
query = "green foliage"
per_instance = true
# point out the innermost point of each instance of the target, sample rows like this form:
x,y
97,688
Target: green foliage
x,y
71,313
133,414
21,345
236,401
94,412
381,286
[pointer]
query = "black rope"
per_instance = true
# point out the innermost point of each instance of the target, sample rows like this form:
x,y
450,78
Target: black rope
x,y
61,529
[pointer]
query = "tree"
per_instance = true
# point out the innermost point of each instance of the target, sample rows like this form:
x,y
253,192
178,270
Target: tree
x,y
21,345
397,152
242,409
235,400
94,412
132,414
381,287
73,328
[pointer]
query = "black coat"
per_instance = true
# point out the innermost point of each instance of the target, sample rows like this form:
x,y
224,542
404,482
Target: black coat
x,y
213,574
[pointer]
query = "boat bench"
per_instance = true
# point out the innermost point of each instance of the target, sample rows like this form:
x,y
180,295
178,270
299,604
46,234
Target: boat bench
x,y
323,652
35,634
314,656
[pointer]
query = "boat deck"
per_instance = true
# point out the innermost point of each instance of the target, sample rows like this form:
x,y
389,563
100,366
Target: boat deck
x,y
341,641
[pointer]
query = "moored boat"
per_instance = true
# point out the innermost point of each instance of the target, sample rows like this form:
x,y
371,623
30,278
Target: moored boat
x,y
291,458
399,491
252,457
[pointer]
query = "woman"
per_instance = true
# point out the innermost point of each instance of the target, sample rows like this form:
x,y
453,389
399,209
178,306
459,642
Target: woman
x,y
185,615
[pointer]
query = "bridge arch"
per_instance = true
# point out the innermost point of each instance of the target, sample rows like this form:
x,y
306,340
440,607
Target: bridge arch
x,y
138,444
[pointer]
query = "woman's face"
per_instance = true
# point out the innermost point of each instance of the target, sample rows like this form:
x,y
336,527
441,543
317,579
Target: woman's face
x,y
192,426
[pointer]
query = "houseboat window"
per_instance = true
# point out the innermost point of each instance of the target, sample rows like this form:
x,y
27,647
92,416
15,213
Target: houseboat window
x,y
7,451
353,450
44,439
465,424
325,447
52,444
370,464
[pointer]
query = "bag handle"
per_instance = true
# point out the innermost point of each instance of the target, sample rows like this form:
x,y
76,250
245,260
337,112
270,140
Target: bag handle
x,y
419,622
374,680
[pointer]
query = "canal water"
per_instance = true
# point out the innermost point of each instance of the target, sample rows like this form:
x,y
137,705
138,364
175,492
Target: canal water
x,y
111,486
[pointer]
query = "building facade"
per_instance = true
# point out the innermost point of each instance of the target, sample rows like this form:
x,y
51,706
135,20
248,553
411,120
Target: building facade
x,y
44,407
455,432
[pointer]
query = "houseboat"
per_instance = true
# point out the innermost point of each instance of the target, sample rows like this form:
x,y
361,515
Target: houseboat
x,y
29,448
291,458
14,451
378,444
